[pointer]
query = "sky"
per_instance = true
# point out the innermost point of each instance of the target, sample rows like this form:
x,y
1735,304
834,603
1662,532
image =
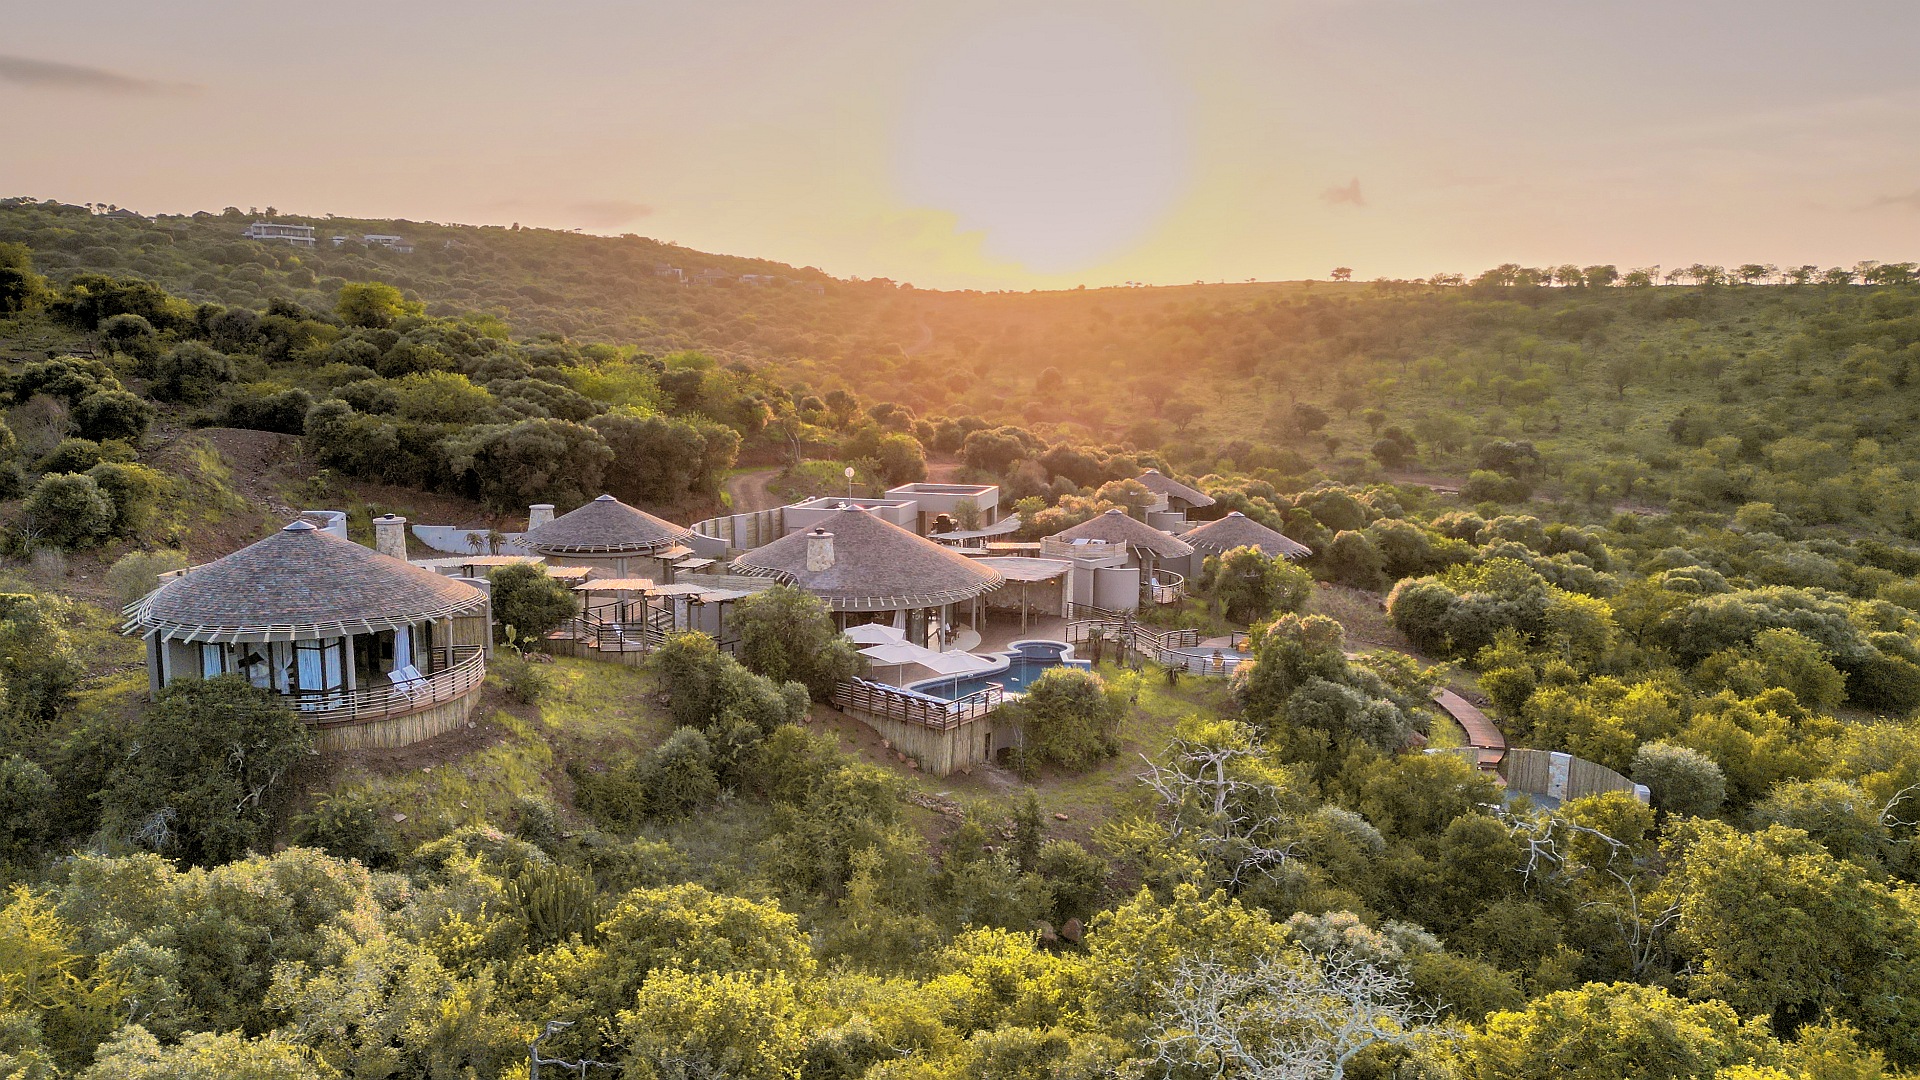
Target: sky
x,y
1029,144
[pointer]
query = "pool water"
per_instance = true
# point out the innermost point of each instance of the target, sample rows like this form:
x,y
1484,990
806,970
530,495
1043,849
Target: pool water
x,y
1024,662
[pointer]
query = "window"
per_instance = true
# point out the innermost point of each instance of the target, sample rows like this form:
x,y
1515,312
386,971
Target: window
x,y
320,666
213,661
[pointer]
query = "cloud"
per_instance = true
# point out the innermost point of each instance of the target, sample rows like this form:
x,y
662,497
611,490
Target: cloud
x,y
1909,201
1348,193
53,75
602,213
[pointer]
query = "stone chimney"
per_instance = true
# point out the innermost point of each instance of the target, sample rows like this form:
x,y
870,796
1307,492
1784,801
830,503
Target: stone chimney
x,y
539,514
390,536
819,551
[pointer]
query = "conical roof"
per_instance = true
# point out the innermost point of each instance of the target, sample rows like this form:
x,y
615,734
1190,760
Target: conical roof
x,y
300,583
1116,527
1237,530
1161,484
605,525
877,566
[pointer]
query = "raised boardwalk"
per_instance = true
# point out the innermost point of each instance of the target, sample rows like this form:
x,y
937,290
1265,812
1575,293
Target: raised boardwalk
x,y
1490,745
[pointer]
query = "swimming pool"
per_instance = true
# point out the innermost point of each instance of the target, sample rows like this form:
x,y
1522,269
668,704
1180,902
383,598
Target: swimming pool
x,y
1023,662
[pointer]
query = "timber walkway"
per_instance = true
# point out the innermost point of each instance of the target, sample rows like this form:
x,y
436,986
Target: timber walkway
x,y
1490,746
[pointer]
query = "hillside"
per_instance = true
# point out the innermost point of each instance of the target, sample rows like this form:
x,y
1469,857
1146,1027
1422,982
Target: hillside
x,y
1673,531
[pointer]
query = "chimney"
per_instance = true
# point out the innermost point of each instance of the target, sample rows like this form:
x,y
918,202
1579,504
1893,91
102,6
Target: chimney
x,y
390,536
819,551
539,514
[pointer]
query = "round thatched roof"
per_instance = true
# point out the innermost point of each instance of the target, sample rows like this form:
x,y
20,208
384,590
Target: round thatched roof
x,y
1237,530
1161,484
297,584
1116,527
604,526
876,566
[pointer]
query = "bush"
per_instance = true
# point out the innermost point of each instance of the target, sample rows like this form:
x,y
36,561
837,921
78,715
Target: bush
x,y
1353,559
525,682
72,456
1248,585
137,573
190,372
349,825
787,634
1068,719
1682,780
132,489
679,776
284,411
529,601
214,761
113,414
68,510
1485,485
26,796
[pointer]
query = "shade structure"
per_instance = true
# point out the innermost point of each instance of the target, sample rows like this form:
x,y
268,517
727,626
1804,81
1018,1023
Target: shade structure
x,y
876,634
940,663
1161,484
299,583
894,653
857,561
620,584
1237,530
605,526
1116,527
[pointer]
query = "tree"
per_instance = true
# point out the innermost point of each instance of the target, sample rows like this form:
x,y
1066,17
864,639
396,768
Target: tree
x,y
1249,585
113,414
538,460
1069,719
1292,1015
694,1024
190,372
132,489
525,598
68,510
373,304
1354,559
1605,1031
20,288
787,634
134,1054
902,459
1341,273
1683,780
206,770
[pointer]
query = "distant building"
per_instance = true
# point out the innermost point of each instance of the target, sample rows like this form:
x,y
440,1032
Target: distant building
x,y
673,272
758,279
297,235
388,241
710,276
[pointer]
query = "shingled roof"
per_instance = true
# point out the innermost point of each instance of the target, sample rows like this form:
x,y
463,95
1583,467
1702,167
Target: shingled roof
x,y
1115,527
877,566
300,583
1237,530
604,526
1161,484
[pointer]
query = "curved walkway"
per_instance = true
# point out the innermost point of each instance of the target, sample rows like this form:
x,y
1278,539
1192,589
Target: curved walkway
x,y
1482,735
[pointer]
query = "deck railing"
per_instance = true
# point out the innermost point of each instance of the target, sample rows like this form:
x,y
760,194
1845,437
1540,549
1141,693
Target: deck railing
x,y
891,703
1164,648
1167,587
464,667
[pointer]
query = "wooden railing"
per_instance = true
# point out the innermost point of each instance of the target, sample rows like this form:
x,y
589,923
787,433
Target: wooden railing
x,y
891,703
1170,588
466,669
1161,648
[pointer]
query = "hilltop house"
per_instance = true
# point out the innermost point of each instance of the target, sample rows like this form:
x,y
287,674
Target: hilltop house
x,y
1174,501
1237,530
371,650
868,569
608,536
297,235
1124,541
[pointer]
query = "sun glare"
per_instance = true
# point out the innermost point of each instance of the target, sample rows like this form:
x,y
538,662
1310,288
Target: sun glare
x,y
1063,140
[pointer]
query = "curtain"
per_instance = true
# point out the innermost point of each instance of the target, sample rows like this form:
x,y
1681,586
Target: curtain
x,y
213,660
308,666
402,647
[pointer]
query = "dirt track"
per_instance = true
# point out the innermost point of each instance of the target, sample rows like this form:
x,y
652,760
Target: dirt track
x,y
748,492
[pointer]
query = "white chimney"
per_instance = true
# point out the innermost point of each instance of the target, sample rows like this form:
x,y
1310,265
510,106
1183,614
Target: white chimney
x,y
390,535
539,514
819,551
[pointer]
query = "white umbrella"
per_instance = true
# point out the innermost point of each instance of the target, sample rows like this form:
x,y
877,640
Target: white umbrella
x,y
957,663
876,634
897,652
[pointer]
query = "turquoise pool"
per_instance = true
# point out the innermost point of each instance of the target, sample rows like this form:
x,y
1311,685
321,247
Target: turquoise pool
x,y
1022,663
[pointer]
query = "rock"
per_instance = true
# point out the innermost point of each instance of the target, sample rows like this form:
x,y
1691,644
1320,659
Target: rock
x,y
398,818
1059,816
1046,934
1071,930
886,744
914,765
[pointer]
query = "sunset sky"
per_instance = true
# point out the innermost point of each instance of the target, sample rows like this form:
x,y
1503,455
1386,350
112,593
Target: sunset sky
x,y
1010,145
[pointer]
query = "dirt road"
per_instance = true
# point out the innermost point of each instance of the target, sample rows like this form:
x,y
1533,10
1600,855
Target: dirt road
x,y
748,492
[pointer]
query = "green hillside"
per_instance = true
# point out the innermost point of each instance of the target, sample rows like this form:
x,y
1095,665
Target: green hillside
x,y
1673,530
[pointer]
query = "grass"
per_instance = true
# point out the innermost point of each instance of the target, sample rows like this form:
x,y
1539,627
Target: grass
x,y
595,711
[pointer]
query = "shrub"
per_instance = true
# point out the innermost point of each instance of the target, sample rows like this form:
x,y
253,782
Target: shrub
x,y
679,775
113,414
132,490
1682,780
68,510
1068,719
349,825
525,682
26,795
136,573
190,372
529,601
788,634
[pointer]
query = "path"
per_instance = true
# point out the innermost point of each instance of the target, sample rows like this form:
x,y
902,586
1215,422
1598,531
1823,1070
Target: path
x,y
747,491
1482,735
